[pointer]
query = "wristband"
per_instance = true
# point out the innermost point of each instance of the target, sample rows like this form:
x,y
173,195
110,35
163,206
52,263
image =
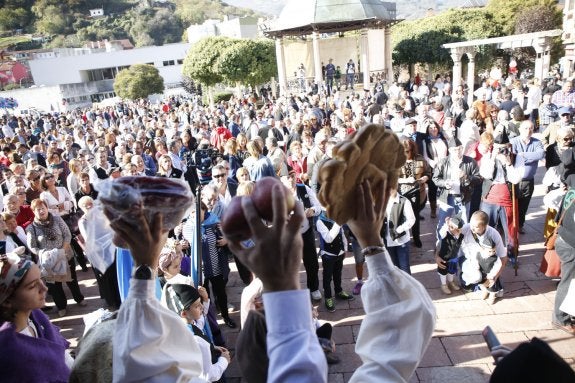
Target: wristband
x,y
144,272
371,250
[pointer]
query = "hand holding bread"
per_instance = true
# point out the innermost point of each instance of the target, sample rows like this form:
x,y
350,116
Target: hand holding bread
x,y
372,153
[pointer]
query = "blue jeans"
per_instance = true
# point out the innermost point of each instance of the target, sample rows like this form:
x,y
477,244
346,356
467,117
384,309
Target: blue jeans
x,y
400,256
454,206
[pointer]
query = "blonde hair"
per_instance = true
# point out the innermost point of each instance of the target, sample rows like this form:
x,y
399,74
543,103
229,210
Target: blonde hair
x,y
245,188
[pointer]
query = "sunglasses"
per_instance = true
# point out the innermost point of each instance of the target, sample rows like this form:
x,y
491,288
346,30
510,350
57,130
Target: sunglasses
x,y
218,175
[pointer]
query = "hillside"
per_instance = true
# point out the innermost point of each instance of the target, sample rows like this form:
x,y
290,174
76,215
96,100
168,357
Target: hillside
x,y
143,22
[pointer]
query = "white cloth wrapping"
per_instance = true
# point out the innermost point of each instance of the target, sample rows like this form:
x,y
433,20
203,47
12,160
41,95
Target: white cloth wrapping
x,y
53,263
100,250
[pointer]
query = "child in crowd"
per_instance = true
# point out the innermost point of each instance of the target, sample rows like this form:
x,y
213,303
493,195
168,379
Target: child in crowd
x,y
481,269
400,218
447,253
194,306
332,250
169,266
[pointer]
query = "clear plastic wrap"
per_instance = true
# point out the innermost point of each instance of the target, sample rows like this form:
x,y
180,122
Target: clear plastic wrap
x,y
125,197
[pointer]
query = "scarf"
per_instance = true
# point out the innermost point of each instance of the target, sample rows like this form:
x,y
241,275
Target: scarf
x,y
47,227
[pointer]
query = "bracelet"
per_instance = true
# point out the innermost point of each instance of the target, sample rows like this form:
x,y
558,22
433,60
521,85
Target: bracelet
x,y
371,250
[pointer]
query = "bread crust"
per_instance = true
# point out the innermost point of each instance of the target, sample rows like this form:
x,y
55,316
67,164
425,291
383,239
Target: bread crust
x,y
373,153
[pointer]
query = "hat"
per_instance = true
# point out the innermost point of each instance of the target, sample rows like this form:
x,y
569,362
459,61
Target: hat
x,y
538,361
186,293
410,121
114,169
454,142
502,138
457,221
167,256
12,271
565,110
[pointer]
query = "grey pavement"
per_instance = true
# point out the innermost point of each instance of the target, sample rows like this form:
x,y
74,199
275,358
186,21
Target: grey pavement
x,y
457,351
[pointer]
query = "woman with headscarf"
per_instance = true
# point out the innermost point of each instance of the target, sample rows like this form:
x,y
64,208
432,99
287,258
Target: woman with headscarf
x,y
33,350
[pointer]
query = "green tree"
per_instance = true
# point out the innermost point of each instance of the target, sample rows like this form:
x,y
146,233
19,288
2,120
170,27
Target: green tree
x,y
13,18
201,59
538,18
420,41
247,62
505,11
138,81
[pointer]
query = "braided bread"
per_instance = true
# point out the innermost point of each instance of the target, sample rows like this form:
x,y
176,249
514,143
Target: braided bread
x,y
372,153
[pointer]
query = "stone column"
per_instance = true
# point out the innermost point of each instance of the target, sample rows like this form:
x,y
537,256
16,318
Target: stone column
x,y
365,59
388,61
539,58
470,77
316,59
280,58
456,78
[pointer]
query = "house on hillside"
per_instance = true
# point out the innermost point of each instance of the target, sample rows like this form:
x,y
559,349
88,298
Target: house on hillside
x,y
98,12
239,27
12,72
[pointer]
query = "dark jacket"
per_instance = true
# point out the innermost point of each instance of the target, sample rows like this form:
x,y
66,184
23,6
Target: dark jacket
x,y
469,180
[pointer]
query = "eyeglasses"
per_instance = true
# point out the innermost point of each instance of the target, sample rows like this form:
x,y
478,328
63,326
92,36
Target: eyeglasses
x,y
218,175
35,179
48,178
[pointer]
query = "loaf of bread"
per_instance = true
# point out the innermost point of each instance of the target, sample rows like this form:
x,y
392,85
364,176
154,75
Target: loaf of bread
x,y
373,153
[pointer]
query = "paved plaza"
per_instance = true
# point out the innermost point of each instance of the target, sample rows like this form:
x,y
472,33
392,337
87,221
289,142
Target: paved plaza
x,y
457,351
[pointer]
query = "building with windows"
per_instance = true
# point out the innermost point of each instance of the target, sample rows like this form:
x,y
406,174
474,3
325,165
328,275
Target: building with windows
x,y
568,63
240,27
87,75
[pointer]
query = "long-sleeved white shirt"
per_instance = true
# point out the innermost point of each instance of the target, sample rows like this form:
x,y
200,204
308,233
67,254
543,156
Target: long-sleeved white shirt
x,y
404,227
397,328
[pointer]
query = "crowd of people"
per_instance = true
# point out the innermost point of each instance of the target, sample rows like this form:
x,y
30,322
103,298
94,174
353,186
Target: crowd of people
x,y
475,164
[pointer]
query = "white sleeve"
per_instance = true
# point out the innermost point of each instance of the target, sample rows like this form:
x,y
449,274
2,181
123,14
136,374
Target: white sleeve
x,y
314,201
211,372
397,328
143,327
293,348
327,235
409,218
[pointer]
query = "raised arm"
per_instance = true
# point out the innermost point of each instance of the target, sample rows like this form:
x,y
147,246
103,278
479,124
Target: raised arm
x,y
400,316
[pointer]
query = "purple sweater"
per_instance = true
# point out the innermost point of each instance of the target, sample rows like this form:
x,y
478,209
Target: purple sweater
x,y
32,359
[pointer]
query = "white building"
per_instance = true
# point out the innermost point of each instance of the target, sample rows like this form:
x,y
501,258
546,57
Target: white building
x,y
85,77
241,27
98,12
569,38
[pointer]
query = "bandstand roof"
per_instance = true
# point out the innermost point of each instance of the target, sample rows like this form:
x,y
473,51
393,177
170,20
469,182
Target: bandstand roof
x,y
302,17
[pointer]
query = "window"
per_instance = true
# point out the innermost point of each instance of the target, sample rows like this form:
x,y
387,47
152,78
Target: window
x,y
169,63
180,61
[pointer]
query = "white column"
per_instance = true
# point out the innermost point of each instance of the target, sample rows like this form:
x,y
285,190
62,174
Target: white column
x,y
456,78
539,56
388,61
280,58
365,59
546,59
470,77
316,59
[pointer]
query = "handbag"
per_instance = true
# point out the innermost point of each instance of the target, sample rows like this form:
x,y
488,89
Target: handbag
x,y
72,220
550,263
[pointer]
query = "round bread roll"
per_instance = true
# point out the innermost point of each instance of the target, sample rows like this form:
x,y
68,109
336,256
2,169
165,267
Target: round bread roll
x,y
372,153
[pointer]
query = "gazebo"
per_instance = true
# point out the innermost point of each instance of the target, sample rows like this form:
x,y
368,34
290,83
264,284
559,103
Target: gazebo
x,y
302,18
